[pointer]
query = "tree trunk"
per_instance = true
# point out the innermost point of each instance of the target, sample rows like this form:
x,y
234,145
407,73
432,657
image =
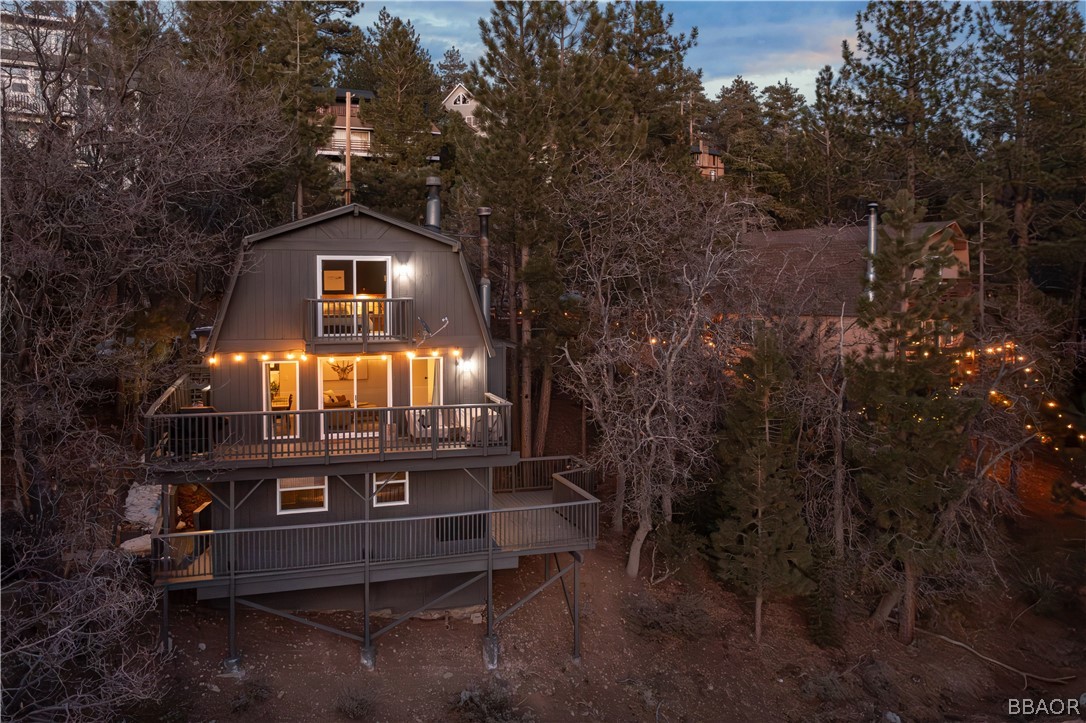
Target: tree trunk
x,y
667,506
886,606
543,413
525,359
644,527
906,622
514,360
618,512
758,599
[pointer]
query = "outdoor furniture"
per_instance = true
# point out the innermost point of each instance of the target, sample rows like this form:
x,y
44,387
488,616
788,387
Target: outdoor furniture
x,y
424,424
487,428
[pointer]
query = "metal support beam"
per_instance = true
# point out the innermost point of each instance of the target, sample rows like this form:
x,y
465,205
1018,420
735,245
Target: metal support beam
x,y
233,661
164,633
527,598
297,619
576,610
407,616
369,654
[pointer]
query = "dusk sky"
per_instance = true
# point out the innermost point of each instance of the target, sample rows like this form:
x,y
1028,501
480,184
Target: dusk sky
x,y
763,41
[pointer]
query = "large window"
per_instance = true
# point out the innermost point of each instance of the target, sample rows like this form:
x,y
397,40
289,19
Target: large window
x,y
360,277
390,489
352,390
302,494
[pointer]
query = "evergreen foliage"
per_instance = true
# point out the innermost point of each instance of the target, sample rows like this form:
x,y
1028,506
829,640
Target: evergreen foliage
x,y
405,138
909,435
761,545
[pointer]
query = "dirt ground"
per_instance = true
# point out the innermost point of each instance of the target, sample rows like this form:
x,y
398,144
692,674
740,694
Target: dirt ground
x,y
627,673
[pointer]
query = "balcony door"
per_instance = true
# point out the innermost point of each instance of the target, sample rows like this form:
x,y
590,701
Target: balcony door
x,y
280,390
426,381
346,283
353,389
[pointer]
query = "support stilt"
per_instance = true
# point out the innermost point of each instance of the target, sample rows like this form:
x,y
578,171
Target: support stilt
x,y
164,633
490,651
576,611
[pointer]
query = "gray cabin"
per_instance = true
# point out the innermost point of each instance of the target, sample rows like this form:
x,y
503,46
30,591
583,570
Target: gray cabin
x,y
346,444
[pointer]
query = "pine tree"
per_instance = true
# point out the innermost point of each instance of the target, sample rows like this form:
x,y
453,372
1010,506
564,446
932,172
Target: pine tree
x,y
833,142
761,545
911,425
452,69
908,70
403,117
1032,137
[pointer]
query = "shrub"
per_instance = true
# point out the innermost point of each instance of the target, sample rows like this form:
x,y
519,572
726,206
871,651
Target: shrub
x,y
355,704
684,616
491,703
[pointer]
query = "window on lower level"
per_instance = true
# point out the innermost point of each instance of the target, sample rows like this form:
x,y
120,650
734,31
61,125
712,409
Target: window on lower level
x,y
390,488
302,494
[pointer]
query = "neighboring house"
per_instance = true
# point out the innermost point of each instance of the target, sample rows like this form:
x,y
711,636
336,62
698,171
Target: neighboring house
x,y
352,438
33,56
707,160
361,130
819,274
460,100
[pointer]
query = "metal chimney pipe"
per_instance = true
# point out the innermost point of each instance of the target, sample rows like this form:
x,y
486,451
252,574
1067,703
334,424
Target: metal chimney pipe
x,y
872,246
433,204
484,244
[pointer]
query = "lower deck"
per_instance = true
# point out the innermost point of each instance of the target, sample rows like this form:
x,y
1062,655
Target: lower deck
x,y
517,522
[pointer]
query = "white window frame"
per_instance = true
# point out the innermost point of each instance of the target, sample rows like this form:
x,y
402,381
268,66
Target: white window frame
x,y
376,484
266,398
279,496
388,272
354,401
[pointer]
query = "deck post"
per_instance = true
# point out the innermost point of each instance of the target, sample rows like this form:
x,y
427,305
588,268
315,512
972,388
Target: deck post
x,y
576,610
233,661
369,653
490,642
165,630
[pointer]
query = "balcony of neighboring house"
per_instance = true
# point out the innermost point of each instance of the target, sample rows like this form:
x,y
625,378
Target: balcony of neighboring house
x,y
355,422
361,135
540,506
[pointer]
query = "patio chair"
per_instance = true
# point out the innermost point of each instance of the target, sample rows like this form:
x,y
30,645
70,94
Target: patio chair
x,y
421,423
487,428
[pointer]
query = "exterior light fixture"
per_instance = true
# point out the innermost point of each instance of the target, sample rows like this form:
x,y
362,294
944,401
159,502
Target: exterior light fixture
x,y
265,357
410,355
239,357
213,360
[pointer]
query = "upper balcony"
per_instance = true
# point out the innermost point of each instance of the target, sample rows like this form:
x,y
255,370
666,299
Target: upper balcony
x,y
182,437
359,321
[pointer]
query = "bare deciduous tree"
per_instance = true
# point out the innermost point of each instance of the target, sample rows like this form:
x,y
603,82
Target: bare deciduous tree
x,y
125,187
653,257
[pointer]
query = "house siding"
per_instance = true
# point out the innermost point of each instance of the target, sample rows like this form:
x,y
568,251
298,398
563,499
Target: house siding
x,y
430,493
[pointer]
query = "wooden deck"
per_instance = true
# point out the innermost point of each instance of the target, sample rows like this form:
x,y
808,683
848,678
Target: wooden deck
x,y
518,523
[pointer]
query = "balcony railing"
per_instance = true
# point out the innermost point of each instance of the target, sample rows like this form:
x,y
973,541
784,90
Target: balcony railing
x,y
339,145
360,321
568,520
199,436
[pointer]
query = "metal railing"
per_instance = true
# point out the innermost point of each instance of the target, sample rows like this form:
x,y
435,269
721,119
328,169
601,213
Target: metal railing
x,y
340,144
362,320
535,473
570,522
203,436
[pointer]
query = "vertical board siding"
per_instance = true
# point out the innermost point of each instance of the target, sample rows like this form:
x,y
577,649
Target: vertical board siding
x,y
430,493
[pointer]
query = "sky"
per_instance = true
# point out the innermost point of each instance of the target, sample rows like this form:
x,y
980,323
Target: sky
x,y
765,42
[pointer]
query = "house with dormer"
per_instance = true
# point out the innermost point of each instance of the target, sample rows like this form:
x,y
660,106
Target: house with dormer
x,y
349,437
